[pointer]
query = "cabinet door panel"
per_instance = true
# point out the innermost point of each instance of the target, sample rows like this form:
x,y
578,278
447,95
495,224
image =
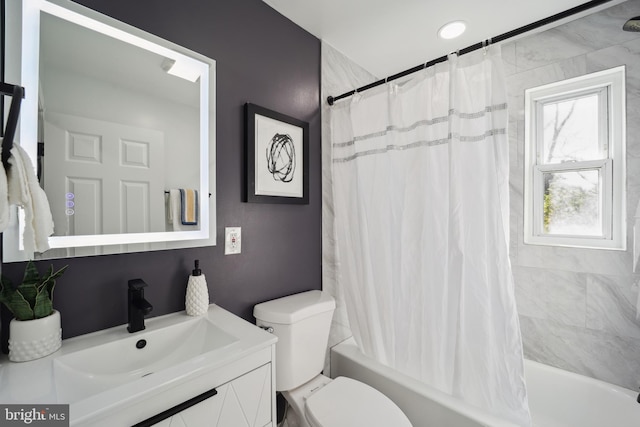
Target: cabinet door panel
x,y
243,402
207,412
254,395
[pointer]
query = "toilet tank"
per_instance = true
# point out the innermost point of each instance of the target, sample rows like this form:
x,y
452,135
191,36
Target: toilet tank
x,y
301,322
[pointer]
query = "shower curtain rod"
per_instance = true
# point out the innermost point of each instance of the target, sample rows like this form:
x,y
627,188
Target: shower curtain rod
x,y
502,37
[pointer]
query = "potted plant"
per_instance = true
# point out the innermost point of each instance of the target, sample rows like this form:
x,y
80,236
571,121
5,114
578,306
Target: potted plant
x,y
35,330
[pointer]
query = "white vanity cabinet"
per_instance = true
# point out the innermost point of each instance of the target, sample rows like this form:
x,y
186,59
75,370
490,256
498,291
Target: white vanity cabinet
x,y
216,370
243,402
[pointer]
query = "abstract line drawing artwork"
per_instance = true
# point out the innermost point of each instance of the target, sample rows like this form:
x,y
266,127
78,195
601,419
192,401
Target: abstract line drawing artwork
x,y
277,153
281,157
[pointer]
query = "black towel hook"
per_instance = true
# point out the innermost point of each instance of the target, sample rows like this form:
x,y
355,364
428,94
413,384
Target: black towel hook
x,y
17,93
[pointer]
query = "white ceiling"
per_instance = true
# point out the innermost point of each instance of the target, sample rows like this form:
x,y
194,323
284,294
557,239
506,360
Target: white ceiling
x,y
389,36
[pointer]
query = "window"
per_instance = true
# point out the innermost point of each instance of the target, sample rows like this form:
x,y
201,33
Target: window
x,y
575,162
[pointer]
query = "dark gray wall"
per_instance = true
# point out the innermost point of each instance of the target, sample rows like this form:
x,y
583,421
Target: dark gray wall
x,y
262,58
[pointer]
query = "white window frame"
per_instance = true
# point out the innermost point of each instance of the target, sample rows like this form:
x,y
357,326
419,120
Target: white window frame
x,y
609,84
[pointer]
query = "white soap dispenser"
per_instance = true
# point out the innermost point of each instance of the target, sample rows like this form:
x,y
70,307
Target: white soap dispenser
x,y
197,299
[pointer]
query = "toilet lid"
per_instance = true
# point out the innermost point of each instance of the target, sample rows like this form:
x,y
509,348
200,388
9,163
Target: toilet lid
x,y
345,402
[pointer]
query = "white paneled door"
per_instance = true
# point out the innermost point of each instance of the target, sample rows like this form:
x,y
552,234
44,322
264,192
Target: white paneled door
x,y
103,178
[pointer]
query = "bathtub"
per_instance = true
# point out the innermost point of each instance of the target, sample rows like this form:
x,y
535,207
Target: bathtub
x,y
557,398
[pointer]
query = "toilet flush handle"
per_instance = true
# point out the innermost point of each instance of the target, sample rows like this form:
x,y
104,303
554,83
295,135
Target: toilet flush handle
x,y
267,328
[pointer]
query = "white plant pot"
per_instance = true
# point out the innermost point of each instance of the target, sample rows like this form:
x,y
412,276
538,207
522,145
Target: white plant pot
x,y
33,339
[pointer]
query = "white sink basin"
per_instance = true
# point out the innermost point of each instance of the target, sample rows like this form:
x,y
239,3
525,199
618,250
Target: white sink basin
x,y
103,366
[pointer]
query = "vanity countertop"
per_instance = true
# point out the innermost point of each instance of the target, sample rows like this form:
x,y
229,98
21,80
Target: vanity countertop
x,y
95,376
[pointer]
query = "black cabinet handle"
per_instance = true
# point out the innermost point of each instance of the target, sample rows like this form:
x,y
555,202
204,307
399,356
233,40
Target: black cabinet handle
x,y
178,408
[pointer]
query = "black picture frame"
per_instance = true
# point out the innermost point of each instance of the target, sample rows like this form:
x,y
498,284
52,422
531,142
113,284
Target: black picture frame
x,y
276,157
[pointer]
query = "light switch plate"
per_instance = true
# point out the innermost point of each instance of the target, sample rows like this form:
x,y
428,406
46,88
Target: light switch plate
x,y
232,240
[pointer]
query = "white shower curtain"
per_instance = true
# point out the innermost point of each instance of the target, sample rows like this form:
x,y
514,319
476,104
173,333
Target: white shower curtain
x,y
420,176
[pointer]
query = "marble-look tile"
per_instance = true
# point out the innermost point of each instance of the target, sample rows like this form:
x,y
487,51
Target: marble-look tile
x,y
520,234
633,126
587,34
516,107
532,77
566,298
514,231
592,353
548,47
513,143
529,300
627,55
551,294
596,261
513,237
633,203
521,137
633,187
509,58
603,28
611,305
341,74
624,10
516,189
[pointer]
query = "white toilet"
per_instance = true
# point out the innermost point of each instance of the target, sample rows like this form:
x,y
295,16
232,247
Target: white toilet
x,y
301,322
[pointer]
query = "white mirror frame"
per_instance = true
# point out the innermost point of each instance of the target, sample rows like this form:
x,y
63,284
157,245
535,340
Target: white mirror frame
x,y
27,135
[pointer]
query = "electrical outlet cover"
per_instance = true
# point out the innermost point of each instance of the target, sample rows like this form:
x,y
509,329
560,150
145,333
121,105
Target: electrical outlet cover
x,y
232,240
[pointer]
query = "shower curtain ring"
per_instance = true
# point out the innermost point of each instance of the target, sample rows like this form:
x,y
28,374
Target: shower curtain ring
x,y
354,97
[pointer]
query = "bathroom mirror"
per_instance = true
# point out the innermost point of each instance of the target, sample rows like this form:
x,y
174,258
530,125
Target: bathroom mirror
x,y
117,121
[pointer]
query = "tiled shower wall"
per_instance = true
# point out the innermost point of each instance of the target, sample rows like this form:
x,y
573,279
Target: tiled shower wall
x,y
577,306
338,74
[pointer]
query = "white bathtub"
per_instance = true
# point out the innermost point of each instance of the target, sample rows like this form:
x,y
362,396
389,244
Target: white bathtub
x,y
557,398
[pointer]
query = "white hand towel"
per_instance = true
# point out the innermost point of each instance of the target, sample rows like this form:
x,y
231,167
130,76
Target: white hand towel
x,y
17,181
25,191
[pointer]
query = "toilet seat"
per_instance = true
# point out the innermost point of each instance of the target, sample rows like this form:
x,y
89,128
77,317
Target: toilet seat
x,y
345,402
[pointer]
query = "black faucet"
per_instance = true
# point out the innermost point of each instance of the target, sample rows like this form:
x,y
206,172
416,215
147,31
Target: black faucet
x,y
138,306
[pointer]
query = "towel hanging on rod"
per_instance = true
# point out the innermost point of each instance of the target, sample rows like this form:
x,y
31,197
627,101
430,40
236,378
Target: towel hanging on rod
x,y
17,93
167,192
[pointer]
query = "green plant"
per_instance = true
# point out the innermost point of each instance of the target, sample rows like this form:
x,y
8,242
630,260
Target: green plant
x,y
33,298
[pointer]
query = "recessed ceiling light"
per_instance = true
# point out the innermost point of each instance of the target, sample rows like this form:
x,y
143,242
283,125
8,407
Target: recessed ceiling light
x,y
452,30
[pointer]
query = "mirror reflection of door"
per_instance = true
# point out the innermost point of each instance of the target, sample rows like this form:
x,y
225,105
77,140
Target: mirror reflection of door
x,y
105,178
